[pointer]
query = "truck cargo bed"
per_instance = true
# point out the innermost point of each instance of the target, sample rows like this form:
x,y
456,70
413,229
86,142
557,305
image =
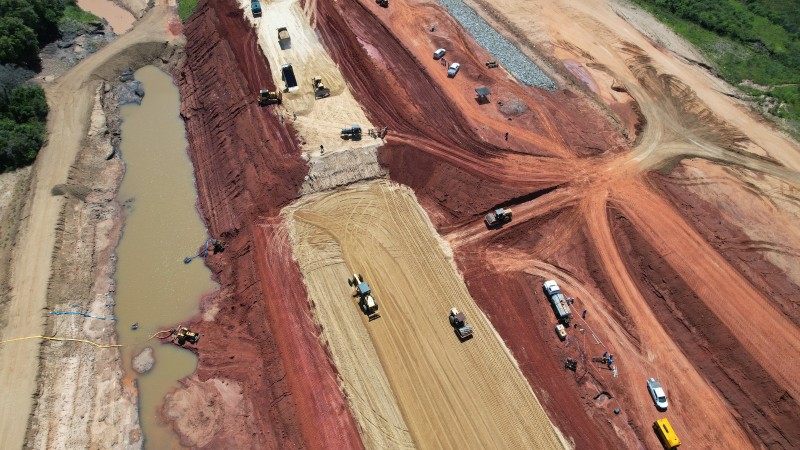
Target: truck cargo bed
x,y
287,74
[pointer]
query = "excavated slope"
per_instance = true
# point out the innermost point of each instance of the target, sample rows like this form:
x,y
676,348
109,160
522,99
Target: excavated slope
x,y
263,379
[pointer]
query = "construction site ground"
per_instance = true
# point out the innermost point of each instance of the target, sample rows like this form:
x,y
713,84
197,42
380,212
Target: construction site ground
x,y
451,394
318,122
665,207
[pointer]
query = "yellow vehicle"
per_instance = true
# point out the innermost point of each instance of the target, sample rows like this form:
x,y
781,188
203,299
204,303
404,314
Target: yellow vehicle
x,y
666,434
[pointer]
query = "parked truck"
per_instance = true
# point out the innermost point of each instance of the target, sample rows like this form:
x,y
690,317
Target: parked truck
x,y
558,301
283,38
353,132
497,218
287,75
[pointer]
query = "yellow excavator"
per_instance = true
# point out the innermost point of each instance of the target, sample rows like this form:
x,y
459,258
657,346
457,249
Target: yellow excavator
x,y
266,97
184,335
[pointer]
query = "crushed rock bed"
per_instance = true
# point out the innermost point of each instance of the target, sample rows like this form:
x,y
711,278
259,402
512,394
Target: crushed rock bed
x,y
509,56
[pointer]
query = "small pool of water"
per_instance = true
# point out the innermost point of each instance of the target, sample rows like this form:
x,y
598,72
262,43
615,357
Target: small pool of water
x,y
154,286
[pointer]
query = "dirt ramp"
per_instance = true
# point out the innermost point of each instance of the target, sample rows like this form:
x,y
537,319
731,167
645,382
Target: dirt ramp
x,y
278,386
765,410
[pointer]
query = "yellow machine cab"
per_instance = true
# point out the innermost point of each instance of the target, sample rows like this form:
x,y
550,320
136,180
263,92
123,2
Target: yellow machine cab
x,y
666,434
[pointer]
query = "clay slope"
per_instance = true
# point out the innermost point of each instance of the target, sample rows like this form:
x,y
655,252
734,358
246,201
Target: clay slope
x,y
263,379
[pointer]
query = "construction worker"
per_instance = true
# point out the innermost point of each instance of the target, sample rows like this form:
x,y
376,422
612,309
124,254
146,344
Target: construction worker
x,y
321,149
584,314
506,135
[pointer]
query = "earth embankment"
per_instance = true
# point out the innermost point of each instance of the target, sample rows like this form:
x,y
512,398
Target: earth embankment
x,y
264,346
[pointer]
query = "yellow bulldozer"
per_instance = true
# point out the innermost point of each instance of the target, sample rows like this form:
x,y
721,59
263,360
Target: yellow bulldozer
x,y
266,97
320,90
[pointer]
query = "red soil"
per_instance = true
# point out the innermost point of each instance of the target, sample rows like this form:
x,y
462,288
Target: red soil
x,y
247,166
451,151
764,408
522,316
438,134
784,294
560,167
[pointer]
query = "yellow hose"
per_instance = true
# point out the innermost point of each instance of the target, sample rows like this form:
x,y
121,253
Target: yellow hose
x,y
53,338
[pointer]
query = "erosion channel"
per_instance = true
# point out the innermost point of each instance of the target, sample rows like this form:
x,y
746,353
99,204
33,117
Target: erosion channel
x,y
154,287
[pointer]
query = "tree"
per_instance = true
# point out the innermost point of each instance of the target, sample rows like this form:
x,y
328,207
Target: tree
x,y
27,103
11,76
21,9
17,43
19,143
41,16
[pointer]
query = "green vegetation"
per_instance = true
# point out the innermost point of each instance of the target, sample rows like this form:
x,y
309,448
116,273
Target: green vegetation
x,y
186,9
25,26
755,40
17,43
23,112
73,12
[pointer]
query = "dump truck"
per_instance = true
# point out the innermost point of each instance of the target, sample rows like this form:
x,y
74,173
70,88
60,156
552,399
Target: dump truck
x,y
558,301
266,97
320,90
366,302
283,38
255,7
353,132
287,75
666,434
459,322
498,218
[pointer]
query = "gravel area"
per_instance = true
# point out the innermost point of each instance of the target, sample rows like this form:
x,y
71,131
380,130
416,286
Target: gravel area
x,y
513,60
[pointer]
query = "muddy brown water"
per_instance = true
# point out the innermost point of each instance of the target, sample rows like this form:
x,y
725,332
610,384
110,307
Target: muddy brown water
x,y
154,286
120,19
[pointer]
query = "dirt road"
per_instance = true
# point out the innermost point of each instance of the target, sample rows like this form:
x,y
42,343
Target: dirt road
x,y
70,99
451,394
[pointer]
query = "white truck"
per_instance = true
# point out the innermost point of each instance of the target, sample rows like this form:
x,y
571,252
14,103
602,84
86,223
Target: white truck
x,y
558,301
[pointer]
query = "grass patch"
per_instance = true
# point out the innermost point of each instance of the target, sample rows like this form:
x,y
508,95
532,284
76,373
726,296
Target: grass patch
x,y
186,9
73,12
756,40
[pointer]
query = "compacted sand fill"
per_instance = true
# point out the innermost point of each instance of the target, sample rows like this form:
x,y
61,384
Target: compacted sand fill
x,y
451,394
